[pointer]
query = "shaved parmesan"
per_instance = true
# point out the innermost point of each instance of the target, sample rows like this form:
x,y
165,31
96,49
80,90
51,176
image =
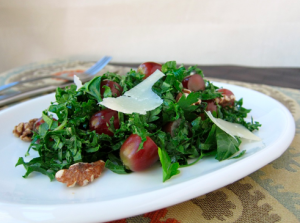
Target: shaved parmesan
x,y
139,99
144,89
77,82
233,129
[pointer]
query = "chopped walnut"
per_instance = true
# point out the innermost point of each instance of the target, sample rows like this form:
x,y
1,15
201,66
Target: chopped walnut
x,y
24,130
226,100
80,173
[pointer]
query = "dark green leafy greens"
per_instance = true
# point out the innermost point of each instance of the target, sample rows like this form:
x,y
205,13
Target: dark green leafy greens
x,y
169,169
65,138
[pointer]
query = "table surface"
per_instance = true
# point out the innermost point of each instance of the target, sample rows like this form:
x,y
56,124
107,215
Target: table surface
x,y
271,194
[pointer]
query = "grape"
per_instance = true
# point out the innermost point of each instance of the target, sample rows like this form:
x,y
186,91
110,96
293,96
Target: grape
x,y
100,121
148,68
115,88
138,160
194,83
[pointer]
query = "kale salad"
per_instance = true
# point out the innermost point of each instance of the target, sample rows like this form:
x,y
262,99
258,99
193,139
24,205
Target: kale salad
x,y
177,132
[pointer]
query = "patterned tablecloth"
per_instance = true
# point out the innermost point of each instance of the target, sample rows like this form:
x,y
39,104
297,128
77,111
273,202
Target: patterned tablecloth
x,y
271,194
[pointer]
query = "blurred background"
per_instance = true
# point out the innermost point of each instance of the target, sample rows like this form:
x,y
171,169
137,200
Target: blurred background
x,y
249,32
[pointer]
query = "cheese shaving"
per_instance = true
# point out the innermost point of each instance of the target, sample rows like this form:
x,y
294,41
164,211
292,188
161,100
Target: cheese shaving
x,y
77,82
233,129
139,99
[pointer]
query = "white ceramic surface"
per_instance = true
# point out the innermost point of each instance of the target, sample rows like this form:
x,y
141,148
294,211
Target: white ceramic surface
x,y
115,196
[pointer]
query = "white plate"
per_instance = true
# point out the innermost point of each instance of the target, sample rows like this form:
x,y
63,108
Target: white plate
x,y
115,196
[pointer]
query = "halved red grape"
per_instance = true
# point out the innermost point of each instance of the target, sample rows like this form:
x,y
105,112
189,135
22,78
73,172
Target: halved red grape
x,y
100,121
194,82
115,88
171,126
138,160
211,106
148,68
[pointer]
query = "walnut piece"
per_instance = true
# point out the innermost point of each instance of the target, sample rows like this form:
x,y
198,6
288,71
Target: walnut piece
x,y
80,173
24,130
226,100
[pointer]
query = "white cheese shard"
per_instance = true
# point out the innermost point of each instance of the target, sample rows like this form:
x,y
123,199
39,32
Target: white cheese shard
x,y
139,99
77,82
233,129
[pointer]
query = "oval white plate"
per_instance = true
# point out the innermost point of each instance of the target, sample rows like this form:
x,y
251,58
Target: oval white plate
x,y
115,196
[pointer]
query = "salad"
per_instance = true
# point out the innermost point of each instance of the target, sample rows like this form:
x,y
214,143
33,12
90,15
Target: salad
x,y
187,118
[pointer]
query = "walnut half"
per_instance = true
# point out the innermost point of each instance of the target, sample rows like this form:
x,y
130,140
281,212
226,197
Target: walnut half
x,y
80,173
24,130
